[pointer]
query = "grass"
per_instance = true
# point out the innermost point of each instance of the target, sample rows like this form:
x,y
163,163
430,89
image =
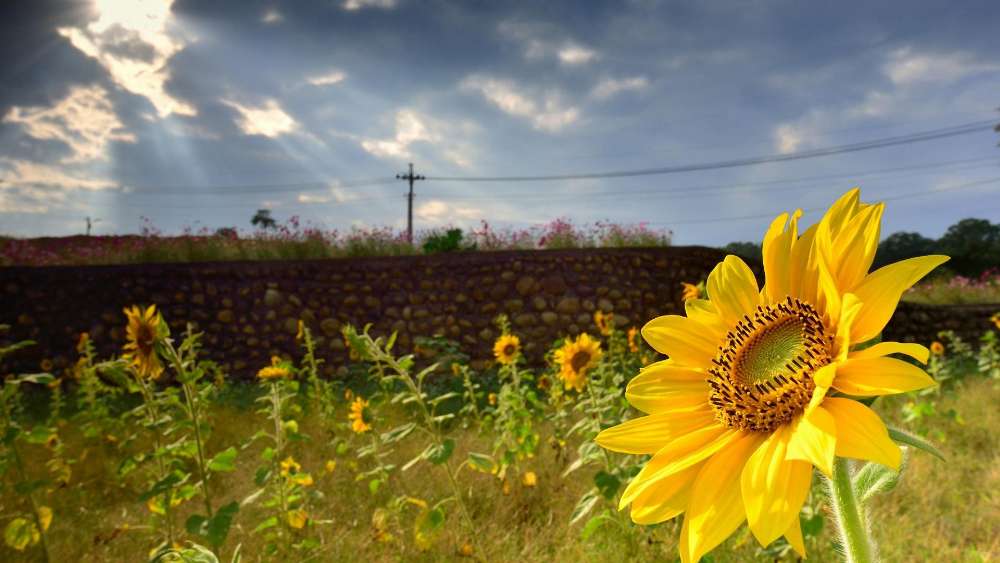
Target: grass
x,y
941,511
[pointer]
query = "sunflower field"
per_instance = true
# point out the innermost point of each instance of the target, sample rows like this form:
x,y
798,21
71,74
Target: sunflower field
x,y
767,423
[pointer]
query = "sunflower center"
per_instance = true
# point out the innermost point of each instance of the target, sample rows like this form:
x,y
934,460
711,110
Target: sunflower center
x,y
762,376
509,350
579,361
144,338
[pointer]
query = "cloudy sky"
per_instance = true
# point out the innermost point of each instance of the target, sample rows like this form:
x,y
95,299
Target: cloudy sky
x,y
195,113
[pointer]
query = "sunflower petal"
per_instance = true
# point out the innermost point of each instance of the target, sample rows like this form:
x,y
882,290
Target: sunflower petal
x,y
682,339
774,487
855,246
666,386
716,506
794,536
814,439
777,248
861,433
732,288
649,434
704,313
880,292
659,504
678,455
918,352
867,377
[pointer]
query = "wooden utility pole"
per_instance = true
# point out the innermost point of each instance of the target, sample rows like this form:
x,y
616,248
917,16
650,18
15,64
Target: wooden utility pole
x,y
409,201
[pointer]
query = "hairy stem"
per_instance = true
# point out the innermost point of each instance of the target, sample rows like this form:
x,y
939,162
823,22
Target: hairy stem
x,y
849,515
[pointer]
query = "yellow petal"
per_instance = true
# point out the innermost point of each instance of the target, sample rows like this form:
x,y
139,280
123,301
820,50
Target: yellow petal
x,y
732,288
678,455
880,292
802,268
659,504
814,439
794,537
879,376
918,352
716,506
777,252
682,339
850,307
704,313
45,517
861,433
649,434
855,246
666,386
774,487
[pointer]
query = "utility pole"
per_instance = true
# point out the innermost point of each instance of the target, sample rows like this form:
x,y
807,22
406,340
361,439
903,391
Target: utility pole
x,y
409,201
90,224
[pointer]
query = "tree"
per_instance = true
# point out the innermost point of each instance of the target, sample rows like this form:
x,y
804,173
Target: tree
x,y
973,244
903,245
747,250
263,219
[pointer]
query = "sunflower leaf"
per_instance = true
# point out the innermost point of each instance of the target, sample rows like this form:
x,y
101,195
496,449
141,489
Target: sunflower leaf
x,y
585,505
909,439
873,479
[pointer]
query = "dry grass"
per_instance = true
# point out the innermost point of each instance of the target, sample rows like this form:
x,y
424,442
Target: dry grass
x,y
940,512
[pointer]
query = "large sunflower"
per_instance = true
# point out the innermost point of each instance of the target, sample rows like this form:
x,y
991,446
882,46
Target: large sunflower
x,y
143,333
758,386
574,358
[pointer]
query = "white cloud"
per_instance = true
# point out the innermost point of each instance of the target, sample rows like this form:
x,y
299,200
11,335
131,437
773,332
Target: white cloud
x,y
610,87
906,67
112,38
327,79
550,115
85,120
334,193
354,5
787,138
268,120
437,211
536,43
410,128
576,55
20,173
272,16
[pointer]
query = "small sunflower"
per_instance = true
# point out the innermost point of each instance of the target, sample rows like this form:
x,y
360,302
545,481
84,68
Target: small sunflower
x,y
289,466
758,386
529,479
82,343
605,322
633,345
690,291
575,358
301,332
492,399
506,349
937,348
995,319
144,332
46,365
360,416
277,370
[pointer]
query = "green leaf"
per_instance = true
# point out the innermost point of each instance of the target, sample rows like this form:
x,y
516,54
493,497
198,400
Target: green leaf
x,y
373,485
584,505
161,486
440,454
482,462
269,523
262,475
195,523
904,437
594,524
217,528
20,533
224,461
607,483
398,433
429,523
873,479
39,435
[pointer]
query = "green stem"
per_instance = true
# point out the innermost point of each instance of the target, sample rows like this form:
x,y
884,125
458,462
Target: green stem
x,y
849,515
276,460
149,399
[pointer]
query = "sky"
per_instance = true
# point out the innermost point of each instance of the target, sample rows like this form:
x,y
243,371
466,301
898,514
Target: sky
x,y
194,113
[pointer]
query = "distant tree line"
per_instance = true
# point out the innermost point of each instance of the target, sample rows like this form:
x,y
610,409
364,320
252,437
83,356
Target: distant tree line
x,y
972,244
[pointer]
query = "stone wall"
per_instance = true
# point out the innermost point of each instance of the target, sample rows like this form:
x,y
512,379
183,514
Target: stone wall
x,y
249,310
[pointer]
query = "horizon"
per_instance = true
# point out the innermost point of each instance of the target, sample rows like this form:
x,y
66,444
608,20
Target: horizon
x,y
197,115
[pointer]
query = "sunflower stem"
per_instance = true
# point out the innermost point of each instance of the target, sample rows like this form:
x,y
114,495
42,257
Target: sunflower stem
x,y
849,515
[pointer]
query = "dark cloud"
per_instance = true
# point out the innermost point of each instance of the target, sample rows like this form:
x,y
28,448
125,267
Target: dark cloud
x,y
711,80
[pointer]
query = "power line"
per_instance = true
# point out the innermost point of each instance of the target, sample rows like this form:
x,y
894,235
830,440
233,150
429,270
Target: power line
x,y
933,134
254,188
923,193
729,187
